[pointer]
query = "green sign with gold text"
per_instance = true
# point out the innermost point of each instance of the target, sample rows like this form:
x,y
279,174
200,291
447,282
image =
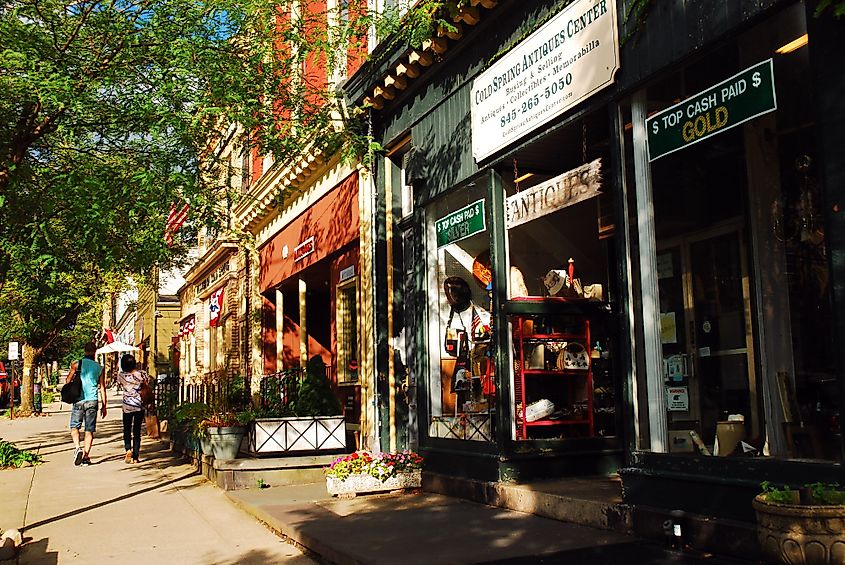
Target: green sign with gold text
x,y
461,224
746,95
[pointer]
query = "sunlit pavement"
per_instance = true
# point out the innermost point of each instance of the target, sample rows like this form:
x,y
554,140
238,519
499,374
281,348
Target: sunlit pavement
x,y
159,510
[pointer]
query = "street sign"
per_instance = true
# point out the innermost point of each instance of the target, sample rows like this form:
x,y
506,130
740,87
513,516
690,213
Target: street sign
x,y
746,95
14,351
461,224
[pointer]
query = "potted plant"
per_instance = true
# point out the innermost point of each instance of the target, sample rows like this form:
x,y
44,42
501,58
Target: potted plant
x,y
225,426
188,423
363,472
304,415
803,526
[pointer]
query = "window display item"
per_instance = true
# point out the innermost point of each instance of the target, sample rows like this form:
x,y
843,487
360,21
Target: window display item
x,y
458,293
453,335
537,357
539,410
481,269
574,357
518,287
479,327
462,377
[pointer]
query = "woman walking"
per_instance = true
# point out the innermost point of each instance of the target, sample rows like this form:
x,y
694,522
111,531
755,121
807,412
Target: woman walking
x,y
129,379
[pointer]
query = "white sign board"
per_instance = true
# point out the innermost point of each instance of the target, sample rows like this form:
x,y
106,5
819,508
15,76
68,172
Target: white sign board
x,y
568,59
14,351
563,190
677,398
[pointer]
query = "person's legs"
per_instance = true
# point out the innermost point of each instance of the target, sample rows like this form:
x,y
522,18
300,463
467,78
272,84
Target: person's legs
x,y
90,411
137,418
75,424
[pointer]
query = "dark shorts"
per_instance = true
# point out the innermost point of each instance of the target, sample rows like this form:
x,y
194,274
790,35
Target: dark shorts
x,y
87,411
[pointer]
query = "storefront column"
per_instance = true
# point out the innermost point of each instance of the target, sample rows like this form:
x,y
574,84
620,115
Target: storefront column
x,y
280,330
366,320
652,351
303,328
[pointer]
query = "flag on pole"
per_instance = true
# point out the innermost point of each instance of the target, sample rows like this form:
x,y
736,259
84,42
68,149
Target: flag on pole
x,y
215,304
109,335
175,219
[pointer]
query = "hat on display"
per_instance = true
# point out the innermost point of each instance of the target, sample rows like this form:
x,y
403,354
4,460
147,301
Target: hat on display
x,y
554,281
481,269
458,293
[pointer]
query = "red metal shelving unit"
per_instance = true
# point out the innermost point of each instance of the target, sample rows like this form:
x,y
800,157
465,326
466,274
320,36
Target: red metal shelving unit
x,y
569,378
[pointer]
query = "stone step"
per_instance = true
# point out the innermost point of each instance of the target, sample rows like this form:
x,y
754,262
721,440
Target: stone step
x,y
589,501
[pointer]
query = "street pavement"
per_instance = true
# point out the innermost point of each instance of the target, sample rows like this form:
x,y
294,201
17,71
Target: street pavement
x,y
159,510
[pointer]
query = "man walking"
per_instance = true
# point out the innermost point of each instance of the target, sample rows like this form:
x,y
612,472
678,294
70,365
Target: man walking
x,y
85,410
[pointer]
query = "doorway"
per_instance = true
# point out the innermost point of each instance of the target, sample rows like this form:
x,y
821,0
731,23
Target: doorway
x,y
707,337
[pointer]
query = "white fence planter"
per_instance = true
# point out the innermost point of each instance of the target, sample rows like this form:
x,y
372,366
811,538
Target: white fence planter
x,y
307,433
360,483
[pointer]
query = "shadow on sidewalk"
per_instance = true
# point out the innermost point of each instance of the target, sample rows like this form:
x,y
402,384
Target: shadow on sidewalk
x,y
114,500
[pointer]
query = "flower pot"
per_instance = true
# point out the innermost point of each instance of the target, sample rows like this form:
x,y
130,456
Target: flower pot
x,y
800,534
360,483
226,441
205,444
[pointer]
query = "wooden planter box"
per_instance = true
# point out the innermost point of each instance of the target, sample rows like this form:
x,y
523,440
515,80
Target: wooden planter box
x,y
285,435
360,483
801,534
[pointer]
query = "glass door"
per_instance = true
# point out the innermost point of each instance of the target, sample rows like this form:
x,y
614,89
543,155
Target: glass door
x,y
707,342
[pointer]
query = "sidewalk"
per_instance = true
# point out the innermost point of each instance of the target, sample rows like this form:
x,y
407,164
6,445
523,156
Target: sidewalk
x,y
431,528
160,510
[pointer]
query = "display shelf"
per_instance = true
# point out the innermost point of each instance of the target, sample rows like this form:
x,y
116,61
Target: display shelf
x,y
571,385
546,305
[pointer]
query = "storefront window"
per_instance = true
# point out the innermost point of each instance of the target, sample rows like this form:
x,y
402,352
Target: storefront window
x,y
462,385
741,254
347,332
560,229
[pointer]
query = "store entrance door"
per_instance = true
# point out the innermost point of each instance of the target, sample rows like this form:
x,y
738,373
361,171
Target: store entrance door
x,y
707,340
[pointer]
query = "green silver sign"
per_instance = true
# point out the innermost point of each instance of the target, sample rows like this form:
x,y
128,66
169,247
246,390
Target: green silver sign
x,y
746,95
461,224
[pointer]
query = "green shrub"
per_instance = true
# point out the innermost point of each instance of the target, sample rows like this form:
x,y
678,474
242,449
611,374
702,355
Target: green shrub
x,y
11,456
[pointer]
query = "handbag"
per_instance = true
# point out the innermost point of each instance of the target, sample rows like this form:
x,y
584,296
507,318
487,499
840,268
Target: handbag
x,y
151,421
72,390
574,357
146,393
453,336
462,377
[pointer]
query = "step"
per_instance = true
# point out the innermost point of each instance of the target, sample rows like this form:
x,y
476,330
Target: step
x,y
589,501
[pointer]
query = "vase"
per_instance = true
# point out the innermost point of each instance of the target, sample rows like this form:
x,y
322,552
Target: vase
x,y
800,534
226,441
360,483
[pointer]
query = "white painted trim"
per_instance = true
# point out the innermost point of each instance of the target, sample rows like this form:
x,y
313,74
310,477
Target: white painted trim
x,y
652,349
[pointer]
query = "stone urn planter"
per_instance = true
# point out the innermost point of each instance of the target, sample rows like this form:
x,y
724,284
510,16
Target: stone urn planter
x,y
359,483
799,534
226,441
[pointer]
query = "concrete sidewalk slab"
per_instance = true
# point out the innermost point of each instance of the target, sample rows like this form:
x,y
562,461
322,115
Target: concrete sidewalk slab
x,y
160,510
414,528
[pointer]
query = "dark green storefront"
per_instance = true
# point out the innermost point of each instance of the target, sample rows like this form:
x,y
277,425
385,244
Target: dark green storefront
x,y
699,351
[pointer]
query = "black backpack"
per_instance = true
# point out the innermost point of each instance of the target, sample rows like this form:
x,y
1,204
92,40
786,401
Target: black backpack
x,y
72,390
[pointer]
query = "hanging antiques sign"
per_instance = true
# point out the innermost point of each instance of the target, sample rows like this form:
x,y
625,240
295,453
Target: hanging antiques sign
x,y
567,60
461,224
564,190
742,97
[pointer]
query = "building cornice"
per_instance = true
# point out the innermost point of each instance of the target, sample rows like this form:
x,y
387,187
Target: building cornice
x,y
203,265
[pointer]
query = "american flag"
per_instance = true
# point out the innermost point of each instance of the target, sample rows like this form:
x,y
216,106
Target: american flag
x,y
175,219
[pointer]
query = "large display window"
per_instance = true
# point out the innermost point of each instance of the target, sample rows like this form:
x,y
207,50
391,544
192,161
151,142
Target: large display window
x,y
560,245
740,253
462,387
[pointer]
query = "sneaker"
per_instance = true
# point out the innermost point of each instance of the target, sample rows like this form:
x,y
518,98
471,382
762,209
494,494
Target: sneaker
x,y
86,461
77,456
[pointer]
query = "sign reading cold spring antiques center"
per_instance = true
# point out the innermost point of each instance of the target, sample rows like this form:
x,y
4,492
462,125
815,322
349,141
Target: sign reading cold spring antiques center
x,y
461,224
746,95
562,191
569,58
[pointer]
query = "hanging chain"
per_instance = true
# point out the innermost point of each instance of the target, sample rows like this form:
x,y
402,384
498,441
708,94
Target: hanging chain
x,y
584,142
515,175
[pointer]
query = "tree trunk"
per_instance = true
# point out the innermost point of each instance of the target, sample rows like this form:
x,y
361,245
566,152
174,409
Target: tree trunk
x,y
30,354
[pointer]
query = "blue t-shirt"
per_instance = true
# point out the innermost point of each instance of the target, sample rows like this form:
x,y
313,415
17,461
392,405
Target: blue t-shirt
x,y
90,379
